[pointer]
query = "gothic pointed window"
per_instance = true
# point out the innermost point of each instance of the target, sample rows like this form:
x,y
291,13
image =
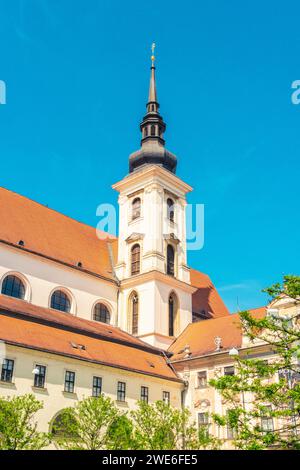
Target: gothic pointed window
x,y
134,313
173,318
135,259
14,287
101,313
60,301
170,260
136,208
170,209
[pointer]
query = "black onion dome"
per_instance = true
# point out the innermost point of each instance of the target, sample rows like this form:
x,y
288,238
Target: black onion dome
x,y
153,149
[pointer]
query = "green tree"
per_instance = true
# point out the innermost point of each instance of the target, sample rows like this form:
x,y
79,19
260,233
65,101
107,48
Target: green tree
x,y
87,425
18,428
159,426
263,397
120,434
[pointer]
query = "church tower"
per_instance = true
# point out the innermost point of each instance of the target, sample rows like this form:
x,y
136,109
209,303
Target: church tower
x,y
155,301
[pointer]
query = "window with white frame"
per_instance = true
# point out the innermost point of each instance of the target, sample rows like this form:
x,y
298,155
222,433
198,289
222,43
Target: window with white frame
x,y
267,423
39,376
166,397
97,386
13,286
229,370
121,391
203,422
145,394
7,370
202,379
69,381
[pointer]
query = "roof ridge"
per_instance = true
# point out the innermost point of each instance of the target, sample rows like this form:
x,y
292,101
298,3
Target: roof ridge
x,y
249,309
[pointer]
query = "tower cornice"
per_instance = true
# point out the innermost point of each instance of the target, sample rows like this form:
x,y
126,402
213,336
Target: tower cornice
x,y
152,173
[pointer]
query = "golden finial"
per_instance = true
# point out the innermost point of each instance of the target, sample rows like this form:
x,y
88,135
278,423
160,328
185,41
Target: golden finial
x,y
153,56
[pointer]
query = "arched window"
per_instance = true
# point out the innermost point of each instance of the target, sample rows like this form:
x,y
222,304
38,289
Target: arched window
x,y
135,259
152,129
170,209
134,313
101,313
60,301
136,208
14,287
63,425
173,315
146,131
170,260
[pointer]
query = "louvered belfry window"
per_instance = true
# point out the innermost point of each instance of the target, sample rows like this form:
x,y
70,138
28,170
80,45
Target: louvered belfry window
x,y
135,259
170,260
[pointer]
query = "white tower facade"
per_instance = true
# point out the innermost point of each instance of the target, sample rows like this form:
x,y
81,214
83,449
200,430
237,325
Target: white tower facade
x,y
155,299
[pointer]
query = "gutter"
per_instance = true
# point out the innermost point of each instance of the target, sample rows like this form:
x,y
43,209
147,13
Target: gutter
x,y
92,361
216,353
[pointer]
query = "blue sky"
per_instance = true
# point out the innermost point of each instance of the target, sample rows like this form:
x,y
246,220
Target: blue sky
x,y
77,75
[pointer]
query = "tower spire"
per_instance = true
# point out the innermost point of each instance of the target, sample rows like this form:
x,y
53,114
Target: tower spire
x,y
153,127
152,88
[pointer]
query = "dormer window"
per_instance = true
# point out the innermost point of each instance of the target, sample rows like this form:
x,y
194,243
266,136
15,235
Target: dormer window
x,y
170,209
136,208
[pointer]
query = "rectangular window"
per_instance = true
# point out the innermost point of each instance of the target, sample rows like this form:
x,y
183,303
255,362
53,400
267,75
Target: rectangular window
x,y
202,379
121,391
203,422
7,370
231,432
229,370
145,394
97,386
39,378
267,424
166,397
69,381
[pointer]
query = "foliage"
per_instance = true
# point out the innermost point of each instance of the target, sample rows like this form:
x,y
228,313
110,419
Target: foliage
x,y
120,434
87,425
159,426
18,429
290,287
263,397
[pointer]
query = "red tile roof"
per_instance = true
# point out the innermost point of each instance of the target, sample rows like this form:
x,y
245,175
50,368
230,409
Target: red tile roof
x,y
53,235
206,299
29,326
200,336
